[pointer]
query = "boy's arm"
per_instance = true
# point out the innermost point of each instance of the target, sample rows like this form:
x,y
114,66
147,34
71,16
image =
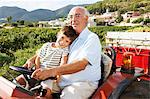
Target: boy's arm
x,y
37,62
30,62
64,60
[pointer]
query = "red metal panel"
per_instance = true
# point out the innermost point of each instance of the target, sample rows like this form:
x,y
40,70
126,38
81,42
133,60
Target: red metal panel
x,y
104,91
141,58
8,89
111,83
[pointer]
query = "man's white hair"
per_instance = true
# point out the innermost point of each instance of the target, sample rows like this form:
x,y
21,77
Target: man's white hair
x,y
86,12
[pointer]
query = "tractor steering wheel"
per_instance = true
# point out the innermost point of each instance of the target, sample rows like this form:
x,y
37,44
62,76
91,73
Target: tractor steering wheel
x,y
22,70
26,71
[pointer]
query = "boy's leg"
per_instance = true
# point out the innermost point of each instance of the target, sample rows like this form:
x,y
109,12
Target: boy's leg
x,y
21,80
24,81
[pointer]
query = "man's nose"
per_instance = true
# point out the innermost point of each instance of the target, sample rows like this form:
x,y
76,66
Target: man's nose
x,y
73,17
73,20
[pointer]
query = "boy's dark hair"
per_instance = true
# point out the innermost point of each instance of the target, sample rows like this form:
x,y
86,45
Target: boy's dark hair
x,y
69,32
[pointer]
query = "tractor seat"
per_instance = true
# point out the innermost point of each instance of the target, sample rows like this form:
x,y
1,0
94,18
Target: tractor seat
x,y
106,65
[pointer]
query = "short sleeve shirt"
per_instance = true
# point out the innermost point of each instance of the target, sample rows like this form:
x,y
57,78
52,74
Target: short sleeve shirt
x,y
86,46
50,56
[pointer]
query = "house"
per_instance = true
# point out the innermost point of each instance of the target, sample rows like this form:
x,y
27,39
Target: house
x,y
56,23
52,23
108,18
43,23
91,21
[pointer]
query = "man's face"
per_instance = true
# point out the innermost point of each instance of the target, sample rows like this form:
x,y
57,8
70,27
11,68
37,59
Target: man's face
x,y
63,41
77,19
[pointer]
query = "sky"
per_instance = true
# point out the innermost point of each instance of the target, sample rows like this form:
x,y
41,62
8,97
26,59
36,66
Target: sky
x,y
31,5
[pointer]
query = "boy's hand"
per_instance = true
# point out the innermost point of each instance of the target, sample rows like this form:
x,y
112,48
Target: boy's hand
x,y
28,64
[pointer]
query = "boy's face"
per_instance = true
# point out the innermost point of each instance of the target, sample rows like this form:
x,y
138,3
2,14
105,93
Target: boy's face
x,y
63,41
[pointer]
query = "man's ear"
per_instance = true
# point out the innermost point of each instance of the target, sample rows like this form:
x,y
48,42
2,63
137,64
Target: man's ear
x,y
86,17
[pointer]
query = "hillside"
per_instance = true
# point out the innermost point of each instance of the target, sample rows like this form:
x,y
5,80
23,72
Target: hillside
x,y
120,5
62,12
15,12
40,14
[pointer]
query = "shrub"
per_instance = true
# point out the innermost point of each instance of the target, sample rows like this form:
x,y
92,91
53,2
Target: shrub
x,y
128,20
20,38
139,20
147,20
119,19
5,59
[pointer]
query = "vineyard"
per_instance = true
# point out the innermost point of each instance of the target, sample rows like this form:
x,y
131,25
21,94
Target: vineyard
x,y
18,44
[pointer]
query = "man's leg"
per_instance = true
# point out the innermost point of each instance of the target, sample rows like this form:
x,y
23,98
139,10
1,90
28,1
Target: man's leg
x,y
51,86
78,90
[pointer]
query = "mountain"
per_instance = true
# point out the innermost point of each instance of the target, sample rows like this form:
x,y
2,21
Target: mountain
x,y
40,14
15,12
35,15
63,12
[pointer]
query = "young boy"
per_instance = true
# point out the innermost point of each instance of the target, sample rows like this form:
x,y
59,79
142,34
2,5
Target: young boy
x,y
54,54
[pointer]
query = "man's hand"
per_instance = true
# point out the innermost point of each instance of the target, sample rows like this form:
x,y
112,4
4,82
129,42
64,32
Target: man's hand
x,y
42,74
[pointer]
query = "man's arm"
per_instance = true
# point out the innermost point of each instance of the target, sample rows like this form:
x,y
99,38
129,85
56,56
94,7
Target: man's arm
x,y
72,68
60,70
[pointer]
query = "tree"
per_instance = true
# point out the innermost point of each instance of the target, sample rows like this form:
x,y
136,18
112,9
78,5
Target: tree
x,y
139,20
134,7
14,24
128,20
9,19
20,22
119,18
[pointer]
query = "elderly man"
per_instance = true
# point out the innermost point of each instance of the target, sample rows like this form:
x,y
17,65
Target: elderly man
x,y
81,73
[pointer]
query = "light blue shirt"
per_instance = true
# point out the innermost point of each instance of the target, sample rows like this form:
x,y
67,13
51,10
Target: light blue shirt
x,y
87,46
